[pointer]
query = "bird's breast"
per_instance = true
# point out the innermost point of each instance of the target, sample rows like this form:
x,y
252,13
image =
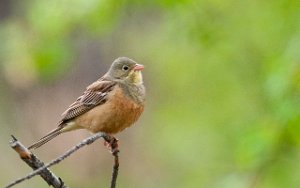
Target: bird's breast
x,y
116,114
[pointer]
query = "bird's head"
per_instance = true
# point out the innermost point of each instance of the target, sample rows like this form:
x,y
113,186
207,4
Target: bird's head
x,y
127,70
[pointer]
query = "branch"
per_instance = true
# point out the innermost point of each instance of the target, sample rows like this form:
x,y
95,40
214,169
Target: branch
x,y
113,145
115,171
115,152
30,159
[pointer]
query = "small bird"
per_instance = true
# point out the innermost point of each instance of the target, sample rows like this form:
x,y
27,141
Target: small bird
x,y
110,104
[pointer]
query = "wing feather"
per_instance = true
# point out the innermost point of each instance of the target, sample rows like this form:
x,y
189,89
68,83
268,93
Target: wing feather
x,y
96,94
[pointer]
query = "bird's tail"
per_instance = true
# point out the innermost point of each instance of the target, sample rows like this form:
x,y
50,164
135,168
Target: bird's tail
x,y
54,133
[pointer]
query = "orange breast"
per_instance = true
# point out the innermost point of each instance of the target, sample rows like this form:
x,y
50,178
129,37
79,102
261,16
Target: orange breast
x,y
116,114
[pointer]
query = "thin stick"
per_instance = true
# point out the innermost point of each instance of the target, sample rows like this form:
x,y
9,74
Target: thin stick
x,y
115,152
31,160
115,171
85,142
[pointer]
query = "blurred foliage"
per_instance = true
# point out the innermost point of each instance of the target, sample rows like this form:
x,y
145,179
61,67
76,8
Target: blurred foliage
x,y
223,80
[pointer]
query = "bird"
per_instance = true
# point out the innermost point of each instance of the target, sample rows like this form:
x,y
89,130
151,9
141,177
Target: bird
x,y
110,104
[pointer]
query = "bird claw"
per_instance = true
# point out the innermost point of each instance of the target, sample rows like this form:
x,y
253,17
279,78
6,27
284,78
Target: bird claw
x,y
112,145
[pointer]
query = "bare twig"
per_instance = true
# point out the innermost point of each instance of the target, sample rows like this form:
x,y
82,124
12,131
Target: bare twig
x,y
35,163
115,153
89,140
115,171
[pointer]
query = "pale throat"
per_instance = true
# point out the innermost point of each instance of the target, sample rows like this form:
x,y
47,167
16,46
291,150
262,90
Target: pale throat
x,y
136,77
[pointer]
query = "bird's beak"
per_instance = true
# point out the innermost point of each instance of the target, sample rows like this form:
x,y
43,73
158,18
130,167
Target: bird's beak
x,y
138,67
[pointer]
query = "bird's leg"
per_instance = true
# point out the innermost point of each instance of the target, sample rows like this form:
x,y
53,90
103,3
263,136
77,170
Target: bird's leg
x,y
111,143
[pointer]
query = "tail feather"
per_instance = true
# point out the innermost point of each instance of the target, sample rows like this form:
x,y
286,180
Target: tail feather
x,y
46,138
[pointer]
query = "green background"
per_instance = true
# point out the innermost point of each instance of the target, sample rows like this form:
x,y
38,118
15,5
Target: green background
x,y
222,79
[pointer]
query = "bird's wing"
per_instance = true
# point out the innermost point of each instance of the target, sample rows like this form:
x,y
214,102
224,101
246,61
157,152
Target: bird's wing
x,y
96,94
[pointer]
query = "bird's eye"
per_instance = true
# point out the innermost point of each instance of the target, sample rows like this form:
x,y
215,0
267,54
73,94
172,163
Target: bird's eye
x,y
125,67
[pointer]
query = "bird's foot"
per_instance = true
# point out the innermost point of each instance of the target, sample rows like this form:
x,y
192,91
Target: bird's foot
x,y
112,144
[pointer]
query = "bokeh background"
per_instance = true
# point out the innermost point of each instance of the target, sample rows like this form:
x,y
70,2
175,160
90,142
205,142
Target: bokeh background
x,y
223,82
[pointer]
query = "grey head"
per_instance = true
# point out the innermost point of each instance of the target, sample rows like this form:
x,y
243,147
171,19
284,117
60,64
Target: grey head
x,y
125,69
